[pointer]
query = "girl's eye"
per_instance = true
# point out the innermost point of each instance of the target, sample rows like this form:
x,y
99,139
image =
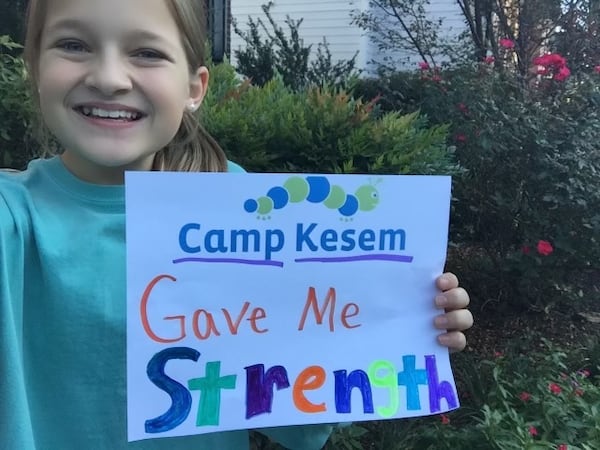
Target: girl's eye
x,y
71,46
149,54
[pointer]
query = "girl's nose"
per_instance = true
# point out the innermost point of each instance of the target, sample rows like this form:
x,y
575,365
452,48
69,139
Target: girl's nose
x,y
109,75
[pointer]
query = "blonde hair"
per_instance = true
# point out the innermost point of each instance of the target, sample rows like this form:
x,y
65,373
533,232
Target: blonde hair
x,y
192,149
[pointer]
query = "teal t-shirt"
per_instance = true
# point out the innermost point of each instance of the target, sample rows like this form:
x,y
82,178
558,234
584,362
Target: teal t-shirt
x,y
62,320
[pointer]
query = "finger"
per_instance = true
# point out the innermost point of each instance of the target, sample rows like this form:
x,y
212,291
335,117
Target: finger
x,y
456,298
446,281
454,340
459,320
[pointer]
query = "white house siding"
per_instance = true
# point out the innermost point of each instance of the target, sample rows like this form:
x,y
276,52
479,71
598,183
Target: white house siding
x,y
331,19
328,19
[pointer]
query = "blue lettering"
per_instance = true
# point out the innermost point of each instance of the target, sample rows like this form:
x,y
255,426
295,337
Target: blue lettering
x,y
327,238
215,241
344,384
437,389
411,377
245,235
348,239
303,237
366,239
391,235
181,399
272,246
183,242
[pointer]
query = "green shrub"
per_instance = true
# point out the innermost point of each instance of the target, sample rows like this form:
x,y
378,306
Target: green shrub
x,y
275,129
271,50
16,112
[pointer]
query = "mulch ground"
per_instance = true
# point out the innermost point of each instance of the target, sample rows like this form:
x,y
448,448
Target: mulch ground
x,y
493,333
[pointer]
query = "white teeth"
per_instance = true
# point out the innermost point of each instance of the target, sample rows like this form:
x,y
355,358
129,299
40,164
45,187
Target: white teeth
x,y
105,114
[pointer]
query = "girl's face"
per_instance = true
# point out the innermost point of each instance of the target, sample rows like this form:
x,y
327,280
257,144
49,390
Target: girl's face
x,y
114,82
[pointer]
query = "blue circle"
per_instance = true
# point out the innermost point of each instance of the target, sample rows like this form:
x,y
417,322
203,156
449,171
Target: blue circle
x,y
349,207
251,205
319,189
279,196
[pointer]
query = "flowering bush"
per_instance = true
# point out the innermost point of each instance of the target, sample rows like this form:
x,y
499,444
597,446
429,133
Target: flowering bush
x,y
529,147
542,400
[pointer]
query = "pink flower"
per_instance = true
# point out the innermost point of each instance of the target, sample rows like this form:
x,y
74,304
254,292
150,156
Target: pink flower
x,y
553,64
550,60
461,138
424,65
436,78
544,248
597,69
489,60
462,108
445,419
562,74
555,388
562,447
507,43
525,396
584,373
533,431
498,354
526,249
579,392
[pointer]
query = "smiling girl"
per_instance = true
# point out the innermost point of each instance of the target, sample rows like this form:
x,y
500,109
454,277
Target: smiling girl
x,y
117,83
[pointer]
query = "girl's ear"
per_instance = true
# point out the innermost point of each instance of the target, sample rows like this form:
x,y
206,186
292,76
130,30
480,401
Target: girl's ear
x,y
198,88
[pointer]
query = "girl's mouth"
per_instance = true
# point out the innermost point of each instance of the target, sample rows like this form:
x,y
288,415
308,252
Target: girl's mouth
x,y
104,114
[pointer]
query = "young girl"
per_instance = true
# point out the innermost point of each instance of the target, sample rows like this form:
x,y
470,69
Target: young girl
x,y
117,82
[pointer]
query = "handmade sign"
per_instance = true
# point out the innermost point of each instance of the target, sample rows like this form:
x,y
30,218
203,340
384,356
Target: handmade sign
x,y
279,299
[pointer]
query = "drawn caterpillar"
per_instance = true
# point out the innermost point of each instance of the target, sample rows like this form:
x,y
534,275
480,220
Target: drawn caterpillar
x,y
315,189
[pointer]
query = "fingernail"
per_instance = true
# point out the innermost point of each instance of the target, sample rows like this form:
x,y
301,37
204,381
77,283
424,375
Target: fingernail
x,y
441,321
444,340
441,300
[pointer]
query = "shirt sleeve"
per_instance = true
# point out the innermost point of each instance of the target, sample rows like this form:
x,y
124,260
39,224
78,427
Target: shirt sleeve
x,y
14,410
234,168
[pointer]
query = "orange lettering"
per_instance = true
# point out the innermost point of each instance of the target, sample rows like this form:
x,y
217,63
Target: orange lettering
x,y
257,314
311,378
144,313
312,301
233,327
345,315
211,327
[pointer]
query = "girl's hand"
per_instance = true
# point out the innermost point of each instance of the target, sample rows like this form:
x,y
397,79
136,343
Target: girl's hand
x,y
456,319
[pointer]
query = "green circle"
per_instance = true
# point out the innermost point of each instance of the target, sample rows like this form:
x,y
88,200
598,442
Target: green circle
x,y
368,197
336,198
265,205
297,188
